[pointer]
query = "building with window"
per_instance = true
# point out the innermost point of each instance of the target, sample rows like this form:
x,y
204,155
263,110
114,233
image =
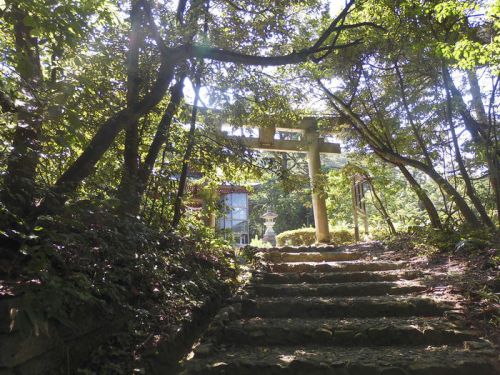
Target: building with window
x,y
234,223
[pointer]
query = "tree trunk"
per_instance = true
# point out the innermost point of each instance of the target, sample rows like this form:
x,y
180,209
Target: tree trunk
x,y
469,215
413,125
423,197
105,136
161,136
483,130
381,208
187,155
189,149
477,101
387,153
469,188
491,147
22,162
128,189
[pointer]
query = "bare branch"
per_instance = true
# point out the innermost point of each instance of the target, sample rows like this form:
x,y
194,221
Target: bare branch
x,y
154,29
333,25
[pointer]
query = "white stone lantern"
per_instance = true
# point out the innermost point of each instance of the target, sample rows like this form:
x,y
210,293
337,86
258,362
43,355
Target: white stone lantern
x,y
269,235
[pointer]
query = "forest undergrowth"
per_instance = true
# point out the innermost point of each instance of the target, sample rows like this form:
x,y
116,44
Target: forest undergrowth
x,y
88,254
467,263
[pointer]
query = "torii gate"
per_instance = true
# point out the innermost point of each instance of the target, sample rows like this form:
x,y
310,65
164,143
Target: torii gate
x,y
311,144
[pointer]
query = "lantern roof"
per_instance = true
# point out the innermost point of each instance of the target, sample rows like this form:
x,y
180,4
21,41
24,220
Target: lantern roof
x,y
269,215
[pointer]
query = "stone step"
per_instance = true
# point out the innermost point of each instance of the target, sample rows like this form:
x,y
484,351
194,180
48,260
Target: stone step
x,y
337,289
308,360
344,332
316,256
334,277
332,307
346,266
302,249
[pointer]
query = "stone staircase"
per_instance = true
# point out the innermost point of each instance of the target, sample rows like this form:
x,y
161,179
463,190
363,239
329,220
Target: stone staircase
x,y
329,311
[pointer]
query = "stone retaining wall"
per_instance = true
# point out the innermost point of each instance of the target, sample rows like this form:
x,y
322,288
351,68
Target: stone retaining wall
x,y
67,347
23,352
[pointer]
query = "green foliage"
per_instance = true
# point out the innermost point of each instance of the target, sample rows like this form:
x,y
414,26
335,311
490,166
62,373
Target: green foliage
x,y
397,197
257,242
307,237
427,241
342,237
289,197
90,255
480,44
297,237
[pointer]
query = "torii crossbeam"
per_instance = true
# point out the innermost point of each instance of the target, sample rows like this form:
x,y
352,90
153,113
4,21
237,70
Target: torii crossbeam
x,y
311,144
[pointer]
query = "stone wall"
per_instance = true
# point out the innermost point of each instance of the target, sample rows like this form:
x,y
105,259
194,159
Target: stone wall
x,y
62,350
68,346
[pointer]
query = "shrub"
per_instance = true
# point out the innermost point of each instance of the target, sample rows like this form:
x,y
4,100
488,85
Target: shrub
x,y
297,237
258,242
378,233
342,237
307,237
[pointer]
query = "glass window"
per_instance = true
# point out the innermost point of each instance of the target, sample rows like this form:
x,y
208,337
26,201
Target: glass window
x,y
236,217
239,213
238,199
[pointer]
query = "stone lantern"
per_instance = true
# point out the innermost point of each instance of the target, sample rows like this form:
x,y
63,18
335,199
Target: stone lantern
x,y
269,235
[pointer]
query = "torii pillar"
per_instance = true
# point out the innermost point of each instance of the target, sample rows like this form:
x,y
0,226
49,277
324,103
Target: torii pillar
x,y
311,136
313,146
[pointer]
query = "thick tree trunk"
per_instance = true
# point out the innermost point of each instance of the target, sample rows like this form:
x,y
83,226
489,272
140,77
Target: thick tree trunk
x,y
494,175
423,197
161,136
23,160
491,147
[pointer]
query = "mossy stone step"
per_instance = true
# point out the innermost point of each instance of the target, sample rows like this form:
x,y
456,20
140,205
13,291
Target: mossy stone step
x,y
346,266
316,256
319,311
441,360
330,307
334,277
344,332
338,289
302,249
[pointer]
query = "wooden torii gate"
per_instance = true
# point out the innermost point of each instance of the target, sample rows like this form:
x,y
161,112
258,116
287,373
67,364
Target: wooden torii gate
x,y
311,144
